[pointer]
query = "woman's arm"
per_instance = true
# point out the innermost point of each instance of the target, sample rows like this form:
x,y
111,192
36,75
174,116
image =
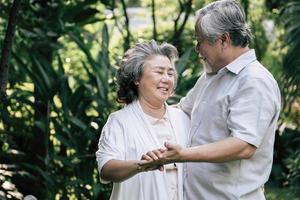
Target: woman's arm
x,y
120,170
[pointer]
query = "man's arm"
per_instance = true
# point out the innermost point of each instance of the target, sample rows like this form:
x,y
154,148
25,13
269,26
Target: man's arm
x,y
224,150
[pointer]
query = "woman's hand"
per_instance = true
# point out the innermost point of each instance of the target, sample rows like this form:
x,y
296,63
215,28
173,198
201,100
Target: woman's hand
x,y
152,160
155,159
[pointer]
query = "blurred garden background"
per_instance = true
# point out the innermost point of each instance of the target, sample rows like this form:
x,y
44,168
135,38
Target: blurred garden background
x,y
59,58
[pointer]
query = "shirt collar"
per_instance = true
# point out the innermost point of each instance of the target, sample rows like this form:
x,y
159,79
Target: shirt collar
x,y
242,61
154,120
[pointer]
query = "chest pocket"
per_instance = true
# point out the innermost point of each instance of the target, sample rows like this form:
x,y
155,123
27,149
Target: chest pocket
x,y
209,121
213,112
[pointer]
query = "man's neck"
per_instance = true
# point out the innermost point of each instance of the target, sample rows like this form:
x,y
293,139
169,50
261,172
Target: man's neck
x,y
236,52
232,54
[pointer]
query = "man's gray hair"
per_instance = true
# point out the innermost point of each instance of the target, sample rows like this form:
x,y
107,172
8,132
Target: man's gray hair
x,y
132,67
220,17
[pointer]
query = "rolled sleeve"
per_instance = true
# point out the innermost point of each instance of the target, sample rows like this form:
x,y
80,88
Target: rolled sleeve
x,y
111,143
251,111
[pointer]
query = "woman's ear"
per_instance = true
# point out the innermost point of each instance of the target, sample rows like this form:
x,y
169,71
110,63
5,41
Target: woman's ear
x,y
136,83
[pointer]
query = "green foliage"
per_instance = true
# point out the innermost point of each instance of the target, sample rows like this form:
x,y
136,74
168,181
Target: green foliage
x,y
291,62
273,193
77,116
53,151
287,146
188,70
293,174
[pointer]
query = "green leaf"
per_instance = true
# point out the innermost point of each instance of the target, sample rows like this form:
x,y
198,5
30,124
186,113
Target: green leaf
x,y
183,61
76,121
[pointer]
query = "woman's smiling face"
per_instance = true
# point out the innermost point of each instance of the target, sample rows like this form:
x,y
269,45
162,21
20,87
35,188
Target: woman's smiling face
x,y
158,79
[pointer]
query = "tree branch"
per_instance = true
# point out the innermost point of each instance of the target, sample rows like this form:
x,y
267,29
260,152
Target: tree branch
x,y
154,20
178,17
127,38
185,8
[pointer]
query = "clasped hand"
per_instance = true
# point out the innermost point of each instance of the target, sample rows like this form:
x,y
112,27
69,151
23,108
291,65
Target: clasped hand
x,y
156,159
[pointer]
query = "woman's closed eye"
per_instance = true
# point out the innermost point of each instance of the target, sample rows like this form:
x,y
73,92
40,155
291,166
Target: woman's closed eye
x,y
159,72
171,73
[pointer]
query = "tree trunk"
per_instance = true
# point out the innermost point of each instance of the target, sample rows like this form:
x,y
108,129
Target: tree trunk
x,y
10,32
40,139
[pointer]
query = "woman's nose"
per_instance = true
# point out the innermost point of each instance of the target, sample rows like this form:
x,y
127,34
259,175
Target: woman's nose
x,y
165,77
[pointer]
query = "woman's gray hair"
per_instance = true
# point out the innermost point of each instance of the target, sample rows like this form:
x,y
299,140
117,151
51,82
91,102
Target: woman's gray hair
x,y
132,67
224,16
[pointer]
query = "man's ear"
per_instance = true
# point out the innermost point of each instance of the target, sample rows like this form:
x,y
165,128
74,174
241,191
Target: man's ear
x,y
226,40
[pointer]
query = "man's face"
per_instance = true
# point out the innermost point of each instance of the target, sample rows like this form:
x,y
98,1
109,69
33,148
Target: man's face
x,y
209,54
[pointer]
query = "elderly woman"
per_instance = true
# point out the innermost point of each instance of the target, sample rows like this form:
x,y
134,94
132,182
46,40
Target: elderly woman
x,y
146,79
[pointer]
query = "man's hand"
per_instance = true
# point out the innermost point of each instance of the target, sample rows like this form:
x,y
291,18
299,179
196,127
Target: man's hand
x,y
172,154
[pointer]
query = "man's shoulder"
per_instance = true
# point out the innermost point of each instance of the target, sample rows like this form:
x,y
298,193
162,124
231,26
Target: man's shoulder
x,y
256,71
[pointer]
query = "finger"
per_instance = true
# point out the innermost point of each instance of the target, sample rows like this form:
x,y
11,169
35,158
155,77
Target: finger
x,y
146,157
149,164
162,150
168,145
144,162
152,155
157,153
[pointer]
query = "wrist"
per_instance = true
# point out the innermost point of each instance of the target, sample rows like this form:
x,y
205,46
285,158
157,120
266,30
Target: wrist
x,y
182,155
137,167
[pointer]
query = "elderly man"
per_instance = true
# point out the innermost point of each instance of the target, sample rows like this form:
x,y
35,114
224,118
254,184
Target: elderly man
x,y
234,107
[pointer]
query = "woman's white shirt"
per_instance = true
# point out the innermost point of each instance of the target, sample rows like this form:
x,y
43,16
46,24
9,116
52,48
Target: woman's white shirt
x,y
126,136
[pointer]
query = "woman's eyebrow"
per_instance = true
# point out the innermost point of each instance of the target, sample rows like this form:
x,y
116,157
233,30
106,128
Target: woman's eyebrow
x,y
162,68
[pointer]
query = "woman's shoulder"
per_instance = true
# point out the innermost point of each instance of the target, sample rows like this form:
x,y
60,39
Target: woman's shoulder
x,y
118,114
122,114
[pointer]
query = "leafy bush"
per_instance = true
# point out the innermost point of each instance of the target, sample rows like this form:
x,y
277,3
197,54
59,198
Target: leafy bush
x,y
293,174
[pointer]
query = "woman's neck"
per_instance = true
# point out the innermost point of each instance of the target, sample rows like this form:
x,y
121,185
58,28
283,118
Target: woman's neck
x,y
154,110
